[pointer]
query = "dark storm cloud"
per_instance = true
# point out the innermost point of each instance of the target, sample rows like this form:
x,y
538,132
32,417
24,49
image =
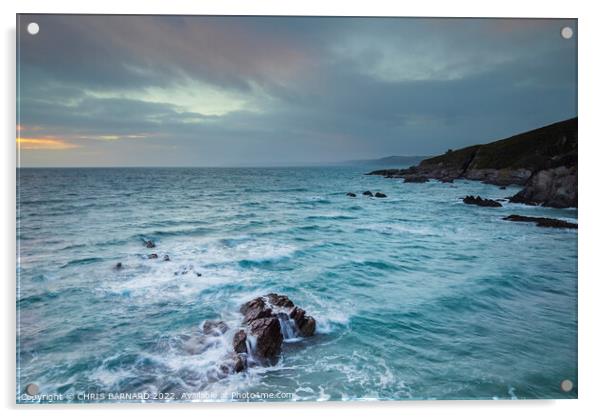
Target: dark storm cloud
x,y
214,90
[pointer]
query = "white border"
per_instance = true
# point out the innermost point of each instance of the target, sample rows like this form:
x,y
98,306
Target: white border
x,y
590,153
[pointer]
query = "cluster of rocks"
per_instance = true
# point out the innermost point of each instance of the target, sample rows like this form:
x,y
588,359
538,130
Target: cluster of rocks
x,y
267,321
368,193
543,222
152,256
479,201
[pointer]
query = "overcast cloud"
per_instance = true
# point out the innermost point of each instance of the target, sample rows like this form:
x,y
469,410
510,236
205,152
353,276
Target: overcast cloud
x,y
196,91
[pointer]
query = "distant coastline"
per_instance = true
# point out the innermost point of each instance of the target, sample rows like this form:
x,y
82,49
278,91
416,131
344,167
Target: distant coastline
x,y
543,160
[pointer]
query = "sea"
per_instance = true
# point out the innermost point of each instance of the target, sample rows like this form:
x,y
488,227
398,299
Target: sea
x,y
416,296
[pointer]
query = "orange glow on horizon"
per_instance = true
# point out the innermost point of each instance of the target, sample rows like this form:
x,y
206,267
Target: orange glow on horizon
x,y
44,144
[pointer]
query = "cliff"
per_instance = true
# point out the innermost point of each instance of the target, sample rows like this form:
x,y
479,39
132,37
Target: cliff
x,y
543,160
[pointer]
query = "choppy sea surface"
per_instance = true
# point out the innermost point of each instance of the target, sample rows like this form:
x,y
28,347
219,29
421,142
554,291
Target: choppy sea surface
x,y
416,296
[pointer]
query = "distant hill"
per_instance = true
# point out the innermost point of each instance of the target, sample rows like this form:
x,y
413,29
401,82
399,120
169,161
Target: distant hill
x,y
544,160
391,161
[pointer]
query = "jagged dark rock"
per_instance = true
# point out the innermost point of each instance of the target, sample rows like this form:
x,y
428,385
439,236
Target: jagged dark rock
x,y
306,324
543,222
268,337
479,201
543,160
212,327
368,193
255,309
350,194
555,187
263,316
149,244
260,339
153,255
166,258
118,266
239,342
279,300
380,195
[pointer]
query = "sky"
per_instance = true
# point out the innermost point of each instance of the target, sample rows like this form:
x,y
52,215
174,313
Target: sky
x,y
253,91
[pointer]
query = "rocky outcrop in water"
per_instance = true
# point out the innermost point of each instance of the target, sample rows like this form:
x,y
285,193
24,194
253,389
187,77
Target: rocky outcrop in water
x,y
543,160
479,201
149,244
267,322
543,222
368,193
350,194
380,195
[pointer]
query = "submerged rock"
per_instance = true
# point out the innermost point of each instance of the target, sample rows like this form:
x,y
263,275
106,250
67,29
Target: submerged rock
x,y
153,255
543,222
350,194
118,266
479,201
149,244
166,258
368,193
379,194
214,327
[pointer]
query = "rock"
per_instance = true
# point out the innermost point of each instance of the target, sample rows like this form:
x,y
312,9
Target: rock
x,y
368,193
235,363
410,178
239,342
472,200
263,316
166,258
543,222
379,194
240,363
306,324
555,187
197,274
279,300
149,244
268,337
214,327
153,255
502,187
350,194
255,309
118,266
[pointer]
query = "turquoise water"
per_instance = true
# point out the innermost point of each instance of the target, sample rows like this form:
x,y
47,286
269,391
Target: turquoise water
x,y
416,296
